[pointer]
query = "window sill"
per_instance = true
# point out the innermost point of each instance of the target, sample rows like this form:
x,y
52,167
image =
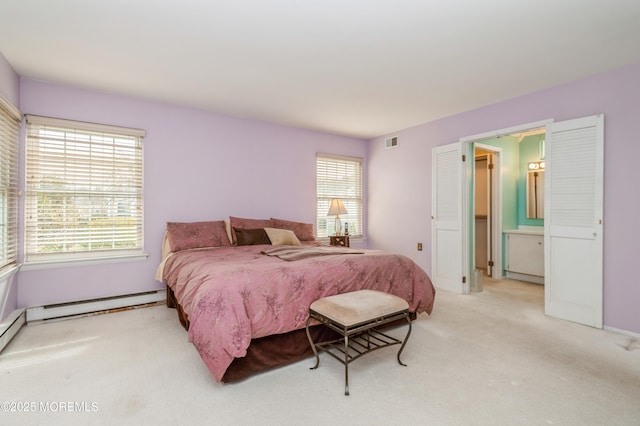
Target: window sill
x,y
32,266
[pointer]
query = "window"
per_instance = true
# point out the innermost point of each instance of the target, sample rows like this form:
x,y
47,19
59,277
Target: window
x,y
339,177
83,190
9,122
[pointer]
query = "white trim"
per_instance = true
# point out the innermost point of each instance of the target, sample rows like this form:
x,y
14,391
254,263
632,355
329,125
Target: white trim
x,y
339,157
350,189
7,271
6,280
468,167
525,277
64,310
621,331
10,326
32,266
78,173
505,131
465,147
6,104
82,125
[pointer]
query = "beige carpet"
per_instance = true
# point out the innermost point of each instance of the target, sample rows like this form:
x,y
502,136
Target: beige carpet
x,y
489,358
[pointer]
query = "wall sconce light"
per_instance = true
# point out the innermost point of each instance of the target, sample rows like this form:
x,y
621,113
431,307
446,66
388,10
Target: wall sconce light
x,y
536,165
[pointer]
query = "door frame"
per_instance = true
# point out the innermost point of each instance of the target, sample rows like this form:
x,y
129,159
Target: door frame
x,y
468,144
495,208
465,146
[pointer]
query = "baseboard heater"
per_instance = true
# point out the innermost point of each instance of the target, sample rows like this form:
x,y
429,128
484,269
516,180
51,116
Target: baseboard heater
x,y
10,327
94,306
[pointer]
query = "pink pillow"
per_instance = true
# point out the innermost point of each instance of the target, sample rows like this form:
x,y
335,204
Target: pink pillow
x,y
242,223
304,231
183,236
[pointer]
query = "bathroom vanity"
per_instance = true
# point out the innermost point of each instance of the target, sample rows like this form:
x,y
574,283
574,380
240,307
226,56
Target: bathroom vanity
x,y
524,259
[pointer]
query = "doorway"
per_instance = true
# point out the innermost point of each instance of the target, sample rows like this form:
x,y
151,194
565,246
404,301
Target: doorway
x,y
573,215
498,196
485,206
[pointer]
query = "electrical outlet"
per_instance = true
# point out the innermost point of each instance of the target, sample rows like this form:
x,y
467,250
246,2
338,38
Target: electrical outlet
x,y
419,246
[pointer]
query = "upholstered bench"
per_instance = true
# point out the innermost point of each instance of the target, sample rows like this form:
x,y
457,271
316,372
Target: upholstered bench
x,y
357,316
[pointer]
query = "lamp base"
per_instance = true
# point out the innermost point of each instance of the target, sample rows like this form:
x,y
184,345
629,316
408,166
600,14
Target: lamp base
x,y
338,226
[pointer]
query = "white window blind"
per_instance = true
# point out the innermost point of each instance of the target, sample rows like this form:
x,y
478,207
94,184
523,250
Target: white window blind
x,y
84,190
338,177
9,122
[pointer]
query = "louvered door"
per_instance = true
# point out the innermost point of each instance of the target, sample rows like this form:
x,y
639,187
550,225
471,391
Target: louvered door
x,y
446,224
574,220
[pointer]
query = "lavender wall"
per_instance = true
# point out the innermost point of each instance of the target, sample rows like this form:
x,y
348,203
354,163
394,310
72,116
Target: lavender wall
x,y
198,166
9,82
402,177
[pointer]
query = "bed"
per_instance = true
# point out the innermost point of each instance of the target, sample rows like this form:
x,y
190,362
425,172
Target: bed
x,y
244,298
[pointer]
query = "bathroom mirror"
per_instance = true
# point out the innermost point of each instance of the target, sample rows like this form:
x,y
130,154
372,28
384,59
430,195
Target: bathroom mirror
x,y
535,194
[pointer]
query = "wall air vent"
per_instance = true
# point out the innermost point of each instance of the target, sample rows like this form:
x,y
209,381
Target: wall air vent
x,y
391,142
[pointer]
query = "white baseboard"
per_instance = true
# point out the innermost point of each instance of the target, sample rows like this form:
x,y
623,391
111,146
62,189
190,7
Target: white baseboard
x,y
10,326
87,307
525,277
620,331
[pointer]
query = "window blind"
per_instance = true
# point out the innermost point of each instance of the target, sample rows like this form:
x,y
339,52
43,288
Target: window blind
x,y
9,122
84,190
338,177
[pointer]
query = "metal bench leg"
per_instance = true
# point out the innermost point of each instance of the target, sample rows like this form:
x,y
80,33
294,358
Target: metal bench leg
x,y
346,363
313,346
405,341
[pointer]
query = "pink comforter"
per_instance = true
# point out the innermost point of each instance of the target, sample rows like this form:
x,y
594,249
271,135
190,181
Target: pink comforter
x,y
235,294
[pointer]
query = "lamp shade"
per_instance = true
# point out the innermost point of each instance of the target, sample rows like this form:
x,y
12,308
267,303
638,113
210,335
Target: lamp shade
x,y
337,208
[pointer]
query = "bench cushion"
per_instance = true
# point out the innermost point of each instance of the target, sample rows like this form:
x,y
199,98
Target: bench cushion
x,y
357,307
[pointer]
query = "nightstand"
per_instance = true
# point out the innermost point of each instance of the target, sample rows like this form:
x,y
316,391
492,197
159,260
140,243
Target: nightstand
x,y
339,240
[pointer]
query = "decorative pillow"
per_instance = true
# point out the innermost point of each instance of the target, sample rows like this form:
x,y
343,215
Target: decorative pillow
x,y
304,231
250,237
241,223
166,247
282,237
227,226
182,236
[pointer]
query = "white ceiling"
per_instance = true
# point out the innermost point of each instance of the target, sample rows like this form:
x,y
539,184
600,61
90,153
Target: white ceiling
x,y
362,68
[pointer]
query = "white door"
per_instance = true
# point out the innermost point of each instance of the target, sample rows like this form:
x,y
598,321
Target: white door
x,y
482,210
573,220
446,218
495,209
